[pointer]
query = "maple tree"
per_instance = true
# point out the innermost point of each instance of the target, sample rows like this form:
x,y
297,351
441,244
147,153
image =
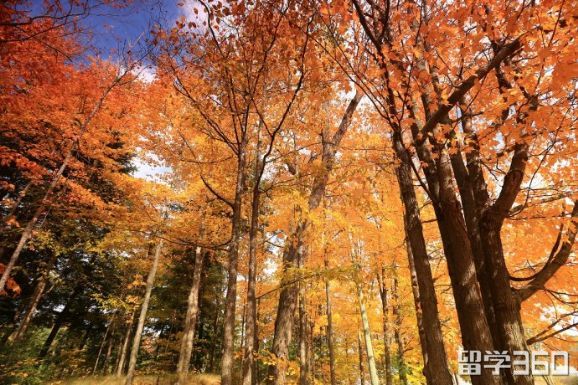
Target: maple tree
x,y
338,191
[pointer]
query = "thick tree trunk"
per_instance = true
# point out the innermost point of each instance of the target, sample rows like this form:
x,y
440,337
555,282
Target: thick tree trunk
x,y
383,295
506,303
434,353
501,305
285,311
143,314
418,307
124,348
474,326
190,319
231,298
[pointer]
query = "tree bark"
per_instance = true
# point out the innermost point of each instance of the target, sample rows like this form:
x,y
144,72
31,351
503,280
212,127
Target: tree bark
x,y
190,319
397,329
434,353
367,336
304,340
31,309
143,314
231,298
383,295
59,322
330,346
285,311
418,308
294,250
360,351
251,316
474,326
124,348
104,340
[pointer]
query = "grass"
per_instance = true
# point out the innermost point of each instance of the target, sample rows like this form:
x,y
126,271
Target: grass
x,y
161,379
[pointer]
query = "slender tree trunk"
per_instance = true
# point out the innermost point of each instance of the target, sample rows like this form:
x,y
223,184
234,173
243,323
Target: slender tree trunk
x,y
34,301
31,309
251,314
143,314
435,360
304,341
29,228
360,351
311,350
124,348
231,298
12,211
256,374
367,335
59,322
105,363
294,251
213,351
386,339
331,348
397,330
104,340
45,201
190,319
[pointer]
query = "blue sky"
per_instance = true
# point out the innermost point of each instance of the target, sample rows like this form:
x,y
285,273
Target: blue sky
x,y
109,27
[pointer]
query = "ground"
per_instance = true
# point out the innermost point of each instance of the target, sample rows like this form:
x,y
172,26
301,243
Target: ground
x,y
200,379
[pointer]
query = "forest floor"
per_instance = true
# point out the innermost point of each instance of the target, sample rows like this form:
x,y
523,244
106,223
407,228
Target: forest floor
x,y
200,379
213,379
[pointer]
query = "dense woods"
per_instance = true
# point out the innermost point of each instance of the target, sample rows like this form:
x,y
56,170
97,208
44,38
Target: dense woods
x,y
286,192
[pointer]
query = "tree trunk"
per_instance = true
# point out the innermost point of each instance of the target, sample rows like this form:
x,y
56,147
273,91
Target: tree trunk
x,y
435,360
124,348
285,312
360,351
329,314
304,341
104,340
474,326
397,330
367,335
45,201
190,319
59,322
294,251
231,298
383,295
143,313
418,309
251,314
30,310
105,363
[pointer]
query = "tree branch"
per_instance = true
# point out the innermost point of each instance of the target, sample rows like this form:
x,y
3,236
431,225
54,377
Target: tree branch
x,y
556,263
